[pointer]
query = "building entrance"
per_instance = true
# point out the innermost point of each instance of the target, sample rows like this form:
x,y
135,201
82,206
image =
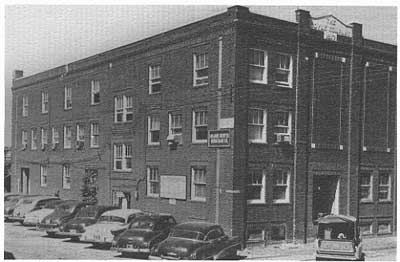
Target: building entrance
x,y
325,195
24,187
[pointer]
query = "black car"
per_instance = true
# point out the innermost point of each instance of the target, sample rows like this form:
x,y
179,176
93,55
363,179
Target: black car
x,y
143,233
197,241
63,213
85,217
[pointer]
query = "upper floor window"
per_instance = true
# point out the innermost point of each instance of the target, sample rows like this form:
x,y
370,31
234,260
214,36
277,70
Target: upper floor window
x,y
43,175
67,98
94,135
384,187
95,92
34,139
123,108
67,136
25,105
80,136
122,157
200,126
198,187
283,127
366,186
24,139
45,102
200,71
66,177
153,134
154,79
153,181
257,125
256,187
43,132
283,73
258,62
280,191
55,137
175,126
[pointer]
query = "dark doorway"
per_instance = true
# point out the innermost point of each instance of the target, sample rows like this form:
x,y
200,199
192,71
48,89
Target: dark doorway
x,y
24,186
325,195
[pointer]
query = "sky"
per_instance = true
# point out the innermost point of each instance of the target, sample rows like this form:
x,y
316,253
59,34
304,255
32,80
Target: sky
x,y
41,37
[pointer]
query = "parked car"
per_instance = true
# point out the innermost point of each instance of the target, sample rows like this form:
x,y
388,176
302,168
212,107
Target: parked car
x,y
338,238
63,213
143,233
197,240
33,218
29,204
113,220
75,227
10,202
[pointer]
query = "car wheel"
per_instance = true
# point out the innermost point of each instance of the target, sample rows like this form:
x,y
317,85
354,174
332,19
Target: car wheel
x,y
124,254
75,239
51,234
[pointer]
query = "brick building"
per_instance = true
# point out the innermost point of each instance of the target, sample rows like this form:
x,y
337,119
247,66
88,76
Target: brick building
x,y
252,122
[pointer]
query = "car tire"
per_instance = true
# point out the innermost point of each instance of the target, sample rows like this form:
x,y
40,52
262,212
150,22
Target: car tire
x,y
51,234
75,239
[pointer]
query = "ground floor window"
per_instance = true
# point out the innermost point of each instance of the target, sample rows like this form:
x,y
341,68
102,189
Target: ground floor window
x,y
280,191
384,228
366,228
256,187
153,181
278,232
255,234
43,176
121,199
198,187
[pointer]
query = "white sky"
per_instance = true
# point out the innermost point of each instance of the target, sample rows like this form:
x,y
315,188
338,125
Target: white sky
x,y
40,37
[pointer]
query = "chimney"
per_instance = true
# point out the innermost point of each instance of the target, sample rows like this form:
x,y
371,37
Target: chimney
x,y
238,11
357,34
303,17
18,74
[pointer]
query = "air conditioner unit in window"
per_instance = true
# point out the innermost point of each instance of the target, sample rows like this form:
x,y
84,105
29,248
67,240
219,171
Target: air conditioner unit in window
x,y
174,140
282,138
43,147
79,144
54,146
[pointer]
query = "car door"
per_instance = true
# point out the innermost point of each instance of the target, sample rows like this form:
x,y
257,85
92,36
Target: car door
x,y
216,243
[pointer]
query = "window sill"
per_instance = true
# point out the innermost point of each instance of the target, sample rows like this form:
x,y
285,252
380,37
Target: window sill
x,y
154,93
122,170
95,104
257,142
198,200
280,202
153,196
44,113
199,142
200,85
255,202
67,109
258,82
366,201
384,201
123,122
154,144
283,85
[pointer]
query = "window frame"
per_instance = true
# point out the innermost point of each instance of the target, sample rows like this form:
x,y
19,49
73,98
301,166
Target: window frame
x,y
196,69
43,175
43,137
289,128
25,106
55,140
149,181
34,139
66,175
67,138
263,139
80,129
193,184
194,126
371,188
122,108
265,67
94,136
153,79
388,185
45,102
94,84
150,129
122,157
287,185
262,199
67,98
171,129
288,84
24,138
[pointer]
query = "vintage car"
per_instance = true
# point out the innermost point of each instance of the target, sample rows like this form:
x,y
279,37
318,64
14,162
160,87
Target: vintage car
x,y
29,204
63,212
10,202
143,233
87,216
197,241
33,218
338,238
113,220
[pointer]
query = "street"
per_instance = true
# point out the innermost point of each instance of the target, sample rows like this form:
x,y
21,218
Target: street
x,y
27,243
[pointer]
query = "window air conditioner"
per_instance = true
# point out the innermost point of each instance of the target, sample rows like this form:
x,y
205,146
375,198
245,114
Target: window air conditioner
x,y
79,144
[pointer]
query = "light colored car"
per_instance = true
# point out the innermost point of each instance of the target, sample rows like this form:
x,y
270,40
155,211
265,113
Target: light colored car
x,y
33,218
30,204
113,220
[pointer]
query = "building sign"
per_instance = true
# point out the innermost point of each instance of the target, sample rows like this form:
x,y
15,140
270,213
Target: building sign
x,y
173,186
226,122
219,138
332,27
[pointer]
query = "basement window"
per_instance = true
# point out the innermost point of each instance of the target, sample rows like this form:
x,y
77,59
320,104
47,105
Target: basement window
x,y
278,232
384,228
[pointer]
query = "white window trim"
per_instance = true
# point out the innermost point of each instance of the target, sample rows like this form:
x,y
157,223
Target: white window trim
x,y
262,193
53,137
80,127
43,173
288,84
371,193
263,139
123,159
389,227
64,184
45,100
193,197
124,109
195,70
148,182
34,141
265,74
43,136
65,137
194,140
66,96
287,193
149,142
151,83
24,138
289,127
170,126
25,106
389,198
92,136
93,84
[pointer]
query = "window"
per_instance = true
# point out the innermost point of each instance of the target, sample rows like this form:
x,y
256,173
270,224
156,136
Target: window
x,y
66,178
43,176
366,229
24,139
200,127
255,234
384,228
55,138
25,105
198,188
45,102
384,188
67,136
67,98
278,232
175,126
256,187
153,181
154,79
258,66
283,127
94,135
280,190
95,93
283,73
34,139
200,74
123,109
154,130
80,133
366,186
122,157
43,134
257,125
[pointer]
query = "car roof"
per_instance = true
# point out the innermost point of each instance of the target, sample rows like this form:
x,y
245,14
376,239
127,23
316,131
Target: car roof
x,y
38,198
101,208
121,212
202,227
337,219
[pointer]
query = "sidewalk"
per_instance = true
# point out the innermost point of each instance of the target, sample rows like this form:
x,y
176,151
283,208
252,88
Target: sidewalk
x,y
300,251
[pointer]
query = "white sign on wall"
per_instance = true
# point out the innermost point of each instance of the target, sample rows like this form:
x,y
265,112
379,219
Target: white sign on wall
x,y
332,27
173,186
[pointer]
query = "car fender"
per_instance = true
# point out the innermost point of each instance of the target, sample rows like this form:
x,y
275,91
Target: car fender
x,y
231,247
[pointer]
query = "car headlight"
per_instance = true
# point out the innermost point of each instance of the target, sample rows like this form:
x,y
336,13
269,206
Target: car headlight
x,y
193,255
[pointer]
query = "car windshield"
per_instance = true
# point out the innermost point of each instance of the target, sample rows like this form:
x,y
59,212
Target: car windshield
x,y
188,234
86,212
112,219
65,207
142,224
11,198
27,201
335,231
52,204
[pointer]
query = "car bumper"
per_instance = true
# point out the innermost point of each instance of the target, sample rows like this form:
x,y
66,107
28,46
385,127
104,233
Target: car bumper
x,y
68,234
30,223
15,219
134,250
336,257
154,258
47,227
101,240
